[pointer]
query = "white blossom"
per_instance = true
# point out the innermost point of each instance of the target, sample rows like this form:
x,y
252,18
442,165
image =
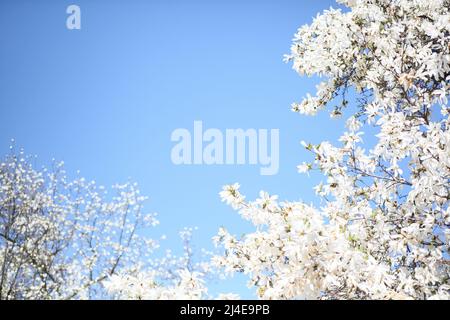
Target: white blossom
x,y
383,229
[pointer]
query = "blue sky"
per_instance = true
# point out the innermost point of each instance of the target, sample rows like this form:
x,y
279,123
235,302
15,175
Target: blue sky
x,y
106,98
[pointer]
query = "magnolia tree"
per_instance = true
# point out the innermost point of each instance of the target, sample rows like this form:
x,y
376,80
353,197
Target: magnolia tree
x,y
381,233
383,229
63,239
71,239
60,239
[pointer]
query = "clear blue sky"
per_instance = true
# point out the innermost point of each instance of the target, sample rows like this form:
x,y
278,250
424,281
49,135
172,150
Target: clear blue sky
x,y
106,98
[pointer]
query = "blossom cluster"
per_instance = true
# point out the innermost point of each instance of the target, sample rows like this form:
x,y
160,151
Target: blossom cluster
x,y
61,238
382,231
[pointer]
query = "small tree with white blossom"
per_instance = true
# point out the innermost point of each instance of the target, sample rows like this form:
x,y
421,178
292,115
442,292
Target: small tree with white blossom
x,y
61,239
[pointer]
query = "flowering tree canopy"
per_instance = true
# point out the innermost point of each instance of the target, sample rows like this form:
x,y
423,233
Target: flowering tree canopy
x,y
383,229
61,239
